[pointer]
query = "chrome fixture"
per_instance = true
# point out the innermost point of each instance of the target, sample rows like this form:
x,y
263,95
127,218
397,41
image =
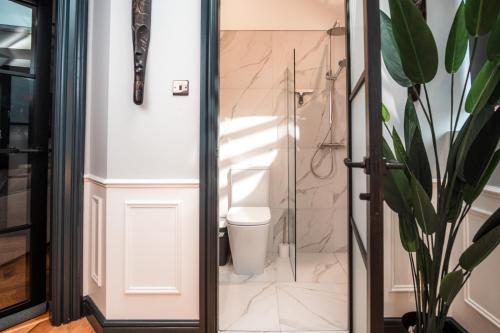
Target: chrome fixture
x,y
331,77
301,93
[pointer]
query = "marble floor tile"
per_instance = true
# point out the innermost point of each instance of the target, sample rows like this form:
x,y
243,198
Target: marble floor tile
x,y
249,306
312,306
320,268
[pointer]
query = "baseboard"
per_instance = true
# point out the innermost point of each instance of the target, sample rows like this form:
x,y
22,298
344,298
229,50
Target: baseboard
x,y
393,325
103,325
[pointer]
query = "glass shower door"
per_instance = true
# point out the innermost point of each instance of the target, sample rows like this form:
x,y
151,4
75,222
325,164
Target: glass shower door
x,y
291,138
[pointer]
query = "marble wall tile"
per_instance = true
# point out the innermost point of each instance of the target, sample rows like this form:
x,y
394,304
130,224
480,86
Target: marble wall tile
x,y
253,121
321,230
246,59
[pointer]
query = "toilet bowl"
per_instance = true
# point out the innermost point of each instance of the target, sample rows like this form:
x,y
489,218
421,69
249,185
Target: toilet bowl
x,y
248,219
248,229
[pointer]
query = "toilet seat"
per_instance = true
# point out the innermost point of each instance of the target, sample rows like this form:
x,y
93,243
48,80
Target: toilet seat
x,y
248,216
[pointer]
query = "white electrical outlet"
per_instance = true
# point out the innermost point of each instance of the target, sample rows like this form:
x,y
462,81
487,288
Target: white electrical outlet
x,y
180,87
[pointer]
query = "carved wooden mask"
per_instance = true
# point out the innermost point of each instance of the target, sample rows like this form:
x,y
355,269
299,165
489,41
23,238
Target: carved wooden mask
x,y
141,30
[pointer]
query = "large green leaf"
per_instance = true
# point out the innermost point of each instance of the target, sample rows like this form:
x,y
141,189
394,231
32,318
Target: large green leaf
x,y
408,232
491,223
456,47
399,149
424,259
423,209
480,16
481,151
396,186
469,132
480,250
390,52
418,162
415,41
456,203
483,86
386,115
450,286
471,192
493,48
411,123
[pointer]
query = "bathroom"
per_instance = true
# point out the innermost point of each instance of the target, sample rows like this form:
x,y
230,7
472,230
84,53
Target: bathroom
x,y
282,181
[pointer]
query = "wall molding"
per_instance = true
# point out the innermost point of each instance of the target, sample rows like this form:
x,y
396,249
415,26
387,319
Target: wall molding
x,y
492,192
171,288
96,239
141,183
394,236
103,325
466,236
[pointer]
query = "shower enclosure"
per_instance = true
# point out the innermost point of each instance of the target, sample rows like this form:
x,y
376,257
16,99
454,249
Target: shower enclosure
x,y
315,85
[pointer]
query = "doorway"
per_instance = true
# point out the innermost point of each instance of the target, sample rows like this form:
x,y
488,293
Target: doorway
x,y
364,141
25,121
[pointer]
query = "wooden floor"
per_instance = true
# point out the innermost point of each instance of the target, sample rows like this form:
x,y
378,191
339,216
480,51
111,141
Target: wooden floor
x,y
42,325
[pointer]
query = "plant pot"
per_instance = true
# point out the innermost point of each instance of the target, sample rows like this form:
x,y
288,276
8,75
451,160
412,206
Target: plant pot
x,y
451,326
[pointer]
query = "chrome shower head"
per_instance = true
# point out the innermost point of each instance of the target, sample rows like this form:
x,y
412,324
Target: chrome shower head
x,y
336,30
343,62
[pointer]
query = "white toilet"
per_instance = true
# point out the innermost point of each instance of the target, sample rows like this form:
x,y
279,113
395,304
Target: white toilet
x,y
248,219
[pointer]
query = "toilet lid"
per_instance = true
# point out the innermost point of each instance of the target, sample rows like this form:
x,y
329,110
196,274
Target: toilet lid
x,y
248,215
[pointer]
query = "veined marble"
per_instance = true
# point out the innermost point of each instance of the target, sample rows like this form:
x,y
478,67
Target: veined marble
x,y
318,302
254,94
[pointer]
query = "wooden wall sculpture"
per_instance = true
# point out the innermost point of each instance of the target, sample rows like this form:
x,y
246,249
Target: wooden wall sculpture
x,y
141,32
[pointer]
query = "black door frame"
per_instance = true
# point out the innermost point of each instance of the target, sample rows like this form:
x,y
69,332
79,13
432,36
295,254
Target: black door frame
x,y
373,255
68,137
209,136
68,70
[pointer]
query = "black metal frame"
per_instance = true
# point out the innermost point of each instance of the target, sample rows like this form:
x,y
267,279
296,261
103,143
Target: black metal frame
x,y
209,114
68,161
372,256
37,157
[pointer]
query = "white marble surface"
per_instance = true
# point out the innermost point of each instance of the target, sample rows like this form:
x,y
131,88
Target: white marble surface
x,y
253,127
272,302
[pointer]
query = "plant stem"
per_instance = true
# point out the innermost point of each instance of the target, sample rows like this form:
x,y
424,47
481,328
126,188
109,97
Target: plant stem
x,y
473,53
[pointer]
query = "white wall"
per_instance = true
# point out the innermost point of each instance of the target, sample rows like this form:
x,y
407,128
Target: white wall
x,y
142,165
280,14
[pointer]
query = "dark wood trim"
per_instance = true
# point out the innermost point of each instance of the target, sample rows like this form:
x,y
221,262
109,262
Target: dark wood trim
x,y
209,215
103,325
393,325
68,161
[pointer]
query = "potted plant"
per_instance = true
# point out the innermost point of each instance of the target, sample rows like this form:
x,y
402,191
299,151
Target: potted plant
x,y
430,215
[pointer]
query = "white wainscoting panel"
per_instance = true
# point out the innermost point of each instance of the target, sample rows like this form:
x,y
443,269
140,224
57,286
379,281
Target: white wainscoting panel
x,y
481,292
96,239
152,256
400,272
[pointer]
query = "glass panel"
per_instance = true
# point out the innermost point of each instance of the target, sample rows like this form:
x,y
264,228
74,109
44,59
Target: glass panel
x,y
359,284
14,268
359,178
357,44
15,168
16,38
292,143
